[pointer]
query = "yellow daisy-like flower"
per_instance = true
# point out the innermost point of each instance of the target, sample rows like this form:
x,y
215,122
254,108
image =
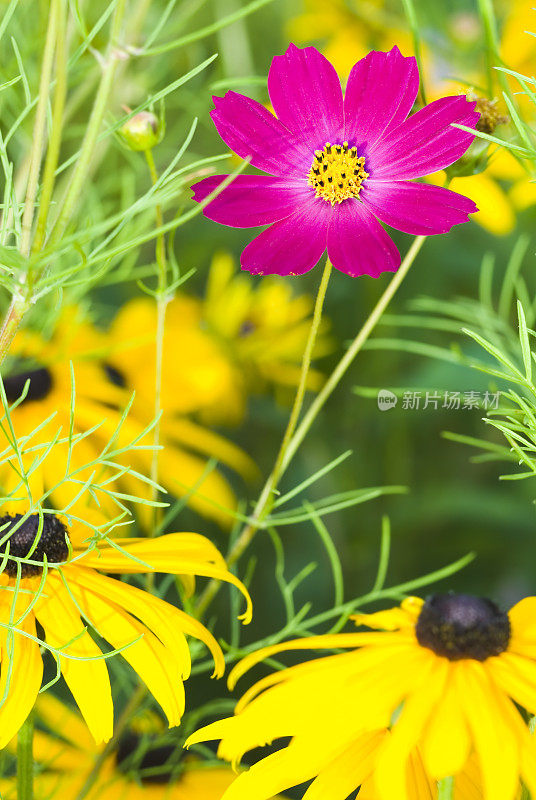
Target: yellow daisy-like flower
x,y
102,394
57,574
238,339
66,759
446,676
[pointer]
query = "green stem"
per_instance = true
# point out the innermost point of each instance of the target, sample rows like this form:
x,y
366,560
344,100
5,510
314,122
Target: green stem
x,y
292,442
10,325
162,300
488,18
20,301
25,760
39,127
53,150
264,503
100,105
445,789
22,298
356,346
120,727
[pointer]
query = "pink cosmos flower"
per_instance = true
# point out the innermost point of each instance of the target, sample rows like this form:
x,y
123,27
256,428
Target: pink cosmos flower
x,y
338,165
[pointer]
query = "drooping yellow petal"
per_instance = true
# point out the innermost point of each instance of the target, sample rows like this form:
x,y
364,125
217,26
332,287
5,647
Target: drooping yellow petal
x,y
446,741
275,773
348,770
494,740
391,768
156,665
165,554
325,642
20,681
81,662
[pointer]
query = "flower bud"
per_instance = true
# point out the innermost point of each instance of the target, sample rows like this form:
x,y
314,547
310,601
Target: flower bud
x,y
141,132
475,160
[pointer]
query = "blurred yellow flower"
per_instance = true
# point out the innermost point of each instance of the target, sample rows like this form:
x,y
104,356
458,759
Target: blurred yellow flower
x,y
348,30
237,340
103,390
502,190
66,758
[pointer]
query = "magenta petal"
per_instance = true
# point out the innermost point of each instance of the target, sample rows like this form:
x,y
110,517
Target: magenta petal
x,y
380,93
291,246
306,95
417,208
251,200
251,130
357,243
426,142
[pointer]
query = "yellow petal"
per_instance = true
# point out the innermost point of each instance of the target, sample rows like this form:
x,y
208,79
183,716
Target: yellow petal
x,y
322,642
167,554
348,770
82,664
446,740
492,734
20,681
391,769
155,664
516,676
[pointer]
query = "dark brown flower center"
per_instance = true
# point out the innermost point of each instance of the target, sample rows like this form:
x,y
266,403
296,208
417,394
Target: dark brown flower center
x,y
51,539
40,384
114,375
460,626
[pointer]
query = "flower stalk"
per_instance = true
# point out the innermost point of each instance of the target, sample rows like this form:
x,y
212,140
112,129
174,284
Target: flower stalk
x,y
445,789
295,434
25,760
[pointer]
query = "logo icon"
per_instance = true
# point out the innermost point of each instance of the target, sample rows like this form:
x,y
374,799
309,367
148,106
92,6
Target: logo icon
x,y
386,400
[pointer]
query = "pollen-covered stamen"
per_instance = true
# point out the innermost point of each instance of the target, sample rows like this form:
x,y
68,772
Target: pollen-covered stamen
x,y
40,385
459,626
337,173
51,542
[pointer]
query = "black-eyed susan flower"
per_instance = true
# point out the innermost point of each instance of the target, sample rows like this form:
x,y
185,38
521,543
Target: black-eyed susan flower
x,y
143,767
447,677
102,393
237,339
336,166
58,574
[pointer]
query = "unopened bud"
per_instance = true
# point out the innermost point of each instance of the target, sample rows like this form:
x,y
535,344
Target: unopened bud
x,y
141,132
475,160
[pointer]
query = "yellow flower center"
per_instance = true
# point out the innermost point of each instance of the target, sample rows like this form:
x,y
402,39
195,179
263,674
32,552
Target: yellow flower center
x,y
337,173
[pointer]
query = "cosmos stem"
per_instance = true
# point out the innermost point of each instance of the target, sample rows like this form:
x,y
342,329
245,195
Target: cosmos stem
x,y
356,346
25,760
265,501
295,434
